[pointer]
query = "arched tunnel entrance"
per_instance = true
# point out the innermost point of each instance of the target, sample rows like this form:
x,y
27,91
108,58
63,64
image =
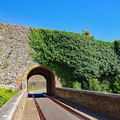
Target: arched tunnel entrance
x,y
37,69
48,75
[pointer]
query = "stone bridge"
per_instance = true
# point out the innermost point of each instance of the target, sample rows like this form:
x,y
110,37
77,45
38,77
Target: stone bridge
x,y
16,67
58,102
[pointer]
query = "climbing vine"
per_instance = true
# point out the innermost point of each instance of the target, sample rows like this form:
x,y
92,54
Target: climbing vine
x,y
76,58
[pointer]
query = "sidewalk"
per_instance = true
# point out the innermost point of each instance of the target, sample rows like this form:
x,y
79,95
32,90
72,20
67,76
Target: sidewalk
x,y
30,111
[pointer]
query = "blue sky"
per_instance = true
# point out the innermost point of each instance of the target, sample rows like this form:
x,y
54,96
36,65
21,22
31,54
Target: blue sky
x,y
100,17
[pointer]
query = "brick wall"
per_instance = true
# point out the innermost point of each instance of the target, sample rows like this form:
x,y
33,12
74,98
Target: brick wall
x,y
106,103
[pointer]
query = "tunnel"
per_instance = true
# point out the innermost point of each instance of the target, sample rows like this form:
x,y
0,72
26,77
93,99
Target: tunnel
x,y
37,69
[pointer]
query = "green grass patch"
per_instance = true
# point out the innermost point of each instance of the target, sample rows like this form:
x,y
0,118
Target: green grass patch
x,y
1,27
5,65
5,95
33,89
1,40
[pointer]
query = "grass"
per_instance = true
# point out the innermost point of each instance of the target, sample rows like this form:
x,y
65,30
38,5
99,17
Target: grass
x,y
1,41
33,89
5,95
1,27
5,65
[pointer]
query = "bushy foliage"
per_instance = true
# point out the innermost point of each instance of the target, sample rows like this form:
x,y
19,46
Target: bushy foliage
x,y
117,48
96,85
5,95
116,84
74,57
77,85
87,33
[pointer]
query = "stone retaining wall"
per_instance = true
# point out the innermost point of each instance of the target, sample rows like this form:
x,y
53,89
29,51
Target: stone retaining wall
x,y
14,53
106,103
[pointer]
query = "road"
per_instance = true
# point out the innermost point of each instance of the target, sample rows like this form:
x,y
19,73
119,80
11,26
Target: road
x,y
51,110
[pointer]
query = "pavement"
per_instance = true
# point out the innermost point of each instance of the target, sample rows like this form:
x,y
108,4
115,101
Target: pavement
x,y
30,111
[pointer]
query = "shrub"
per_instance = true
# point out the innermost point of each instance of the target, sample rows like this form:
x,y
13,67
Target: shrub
x,y
87,33
105,86
5,95
94,85
117,48
116,84
77,85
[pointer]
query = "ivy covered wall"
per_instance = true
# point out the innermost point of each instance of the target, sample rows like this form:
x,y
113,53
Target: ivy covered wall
x,y
79,60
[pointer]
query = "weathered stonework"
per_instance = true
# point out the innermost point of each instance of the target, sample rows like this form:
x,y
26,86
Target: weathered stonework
x,y
15,59
14,53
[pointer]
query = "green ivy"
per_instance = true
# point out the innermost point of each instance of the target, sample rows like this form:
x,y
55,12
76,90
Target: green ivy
x,y
75,57
116,84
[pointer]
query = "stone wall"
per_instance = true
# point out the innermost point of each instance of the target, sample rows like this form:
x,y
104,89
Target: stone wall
x,y
19,106
106,103
14,53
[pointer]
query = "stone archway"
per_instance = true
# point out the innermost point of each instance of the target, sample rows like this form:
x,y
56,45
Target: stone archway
x,y
37,69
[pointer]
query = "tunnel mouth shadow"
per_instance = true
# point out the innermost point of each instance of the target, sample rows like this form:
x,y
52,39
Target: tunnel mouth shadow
x,y
37,95
47,74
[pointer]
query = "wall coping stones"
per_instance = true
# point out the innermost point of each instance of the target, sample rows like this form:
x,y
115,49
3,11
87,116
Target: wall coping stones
x,y
8,109
104,94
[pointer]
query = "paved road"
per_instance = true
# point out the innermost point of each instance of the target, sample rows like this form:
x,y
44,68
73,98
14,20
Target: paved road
x,y
53,111
38,91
